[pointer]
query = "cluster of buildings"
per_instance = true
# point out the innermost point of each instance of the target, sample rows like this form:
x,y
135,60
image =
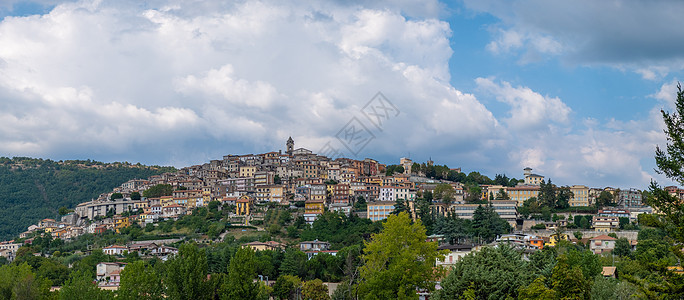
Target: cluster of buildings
x,y
299,175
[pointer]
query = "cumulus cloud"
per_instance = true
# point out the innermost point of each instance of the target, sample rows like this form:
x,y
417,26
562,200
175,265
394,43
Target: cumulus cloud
x,y
105,76
643,36
529,110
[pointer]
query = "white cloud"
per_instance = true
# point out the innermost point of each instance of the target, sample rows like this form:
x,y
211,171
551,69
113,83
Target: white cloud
x,y
529,110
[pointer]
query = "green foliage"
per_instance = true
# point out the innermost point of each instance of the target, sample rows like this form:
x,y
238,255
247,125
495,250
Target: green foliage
x,y
487,224
492,273
398,260
158,191
241,274
18,281
135,196
286,287
294,263
444,192
315,290
340,230
539,226
537,290
115,196
40,187
81,286
186,274
622,247
141,281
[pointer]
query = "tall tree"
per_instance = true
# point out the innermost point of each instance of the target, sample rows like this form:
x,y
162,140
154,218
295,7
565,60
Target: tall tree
x,y
241,275
315,290
669,162
82,287
547,194
186,274
563,196
398,260
140,281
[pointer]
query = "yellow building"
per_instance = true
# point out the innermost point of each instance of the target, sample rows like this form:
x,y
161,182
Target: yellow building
x,y
166,201
553,239
580,195
121,222
243,205
532,179
522,192
313,209
247,171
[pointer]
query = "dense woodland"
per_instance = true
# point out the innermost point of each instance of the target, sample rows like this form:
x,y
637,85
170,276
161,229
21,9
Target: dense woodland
x,y
34,189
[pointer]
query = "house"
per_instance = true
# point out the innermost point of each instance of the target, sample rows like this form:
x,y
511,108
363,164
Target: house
x,y
312,209
456,253
109,274
270,245
114,250
44,223
532,179
605,224
379,210
609,272
244,205
173,211
601,244
164,250
142,247
314,245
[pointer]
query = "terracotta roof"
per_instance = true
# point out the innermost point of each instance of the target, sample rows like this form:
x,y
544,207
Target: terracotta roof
x,y
603,237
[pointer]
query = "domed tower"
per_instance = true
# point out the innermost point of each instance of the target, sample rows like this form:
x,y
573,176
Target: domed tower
x,y
290,146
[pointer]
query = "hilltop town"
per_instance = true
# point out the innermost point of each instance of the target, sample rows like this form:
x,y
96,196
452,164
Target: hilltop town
x,y
264,193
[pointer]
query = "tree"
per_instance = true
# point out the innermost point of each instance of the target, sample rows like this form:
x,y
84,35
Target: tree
x,y
82,287
605,198
63,211
158,191
315,290
399,260
487,223
17,281
569,283
286,287
115,196
564,194
622,247
502,195
294,263
241,274
444,192
140,281
547,194
578,235
186,274
492,273
537,290
135,196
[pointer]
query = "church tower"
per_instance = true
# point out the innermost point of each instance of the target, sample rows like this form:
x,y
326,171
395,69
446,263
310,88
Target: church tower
x,y
290,146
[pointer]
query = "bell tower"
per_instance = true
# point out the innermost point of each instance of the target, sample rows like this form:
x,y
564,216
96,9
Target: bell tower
x,y
290,146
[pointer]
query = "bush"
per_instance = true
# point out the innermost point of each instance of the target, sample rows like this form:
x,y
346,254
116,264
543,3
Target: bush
x,y
539,226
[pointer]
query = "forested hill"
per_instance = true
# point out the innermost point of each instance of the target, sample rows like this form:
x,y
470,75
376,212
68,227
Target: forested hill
x,y
33,189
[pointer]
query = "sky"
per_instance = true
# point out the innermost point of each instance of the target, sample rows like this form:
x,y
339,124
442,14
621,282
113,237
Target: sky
x,y
571,89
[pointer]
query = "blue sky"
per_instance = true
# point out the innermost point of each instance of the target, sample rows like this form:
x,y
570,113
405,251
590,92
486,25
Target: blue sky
x,y
572,90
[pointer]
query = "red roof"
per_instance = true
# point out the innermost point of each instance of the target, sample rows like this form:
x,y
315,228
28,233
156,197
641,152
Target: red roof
x,y
603,237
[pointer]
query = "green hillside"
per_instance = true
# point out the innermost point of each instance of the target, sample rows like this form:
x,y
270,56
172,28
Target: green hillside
x,y
34,189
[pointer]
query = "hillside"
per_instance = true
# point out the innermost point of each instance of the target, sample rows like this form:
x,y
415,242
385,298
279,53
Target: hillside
x,y
34,189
